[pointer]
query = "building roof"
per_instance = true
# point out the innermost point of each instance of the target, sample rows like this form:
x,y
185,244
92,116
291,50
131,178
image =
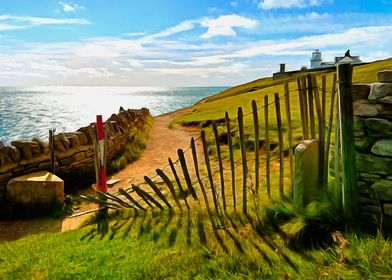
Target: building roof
x,y
347,59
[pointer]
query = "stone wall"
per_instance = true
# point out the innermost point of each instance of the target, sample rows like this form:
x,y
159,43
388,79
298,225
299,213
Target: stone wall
x,y
373,144
74,153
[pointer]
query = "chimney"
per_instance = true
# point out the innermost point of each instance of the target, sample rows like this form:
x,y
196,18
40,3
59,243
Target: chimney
x,y
282,67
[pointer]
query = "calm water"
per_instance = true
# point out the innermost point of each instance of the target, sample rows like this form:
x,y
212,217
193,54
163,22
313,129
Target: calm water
x,y
30,112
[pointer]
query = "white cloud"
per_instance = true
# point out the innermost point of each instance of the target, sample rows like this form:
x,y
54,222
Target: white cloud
x,y
314,16
9,22
181,27
287,4
224,24
69,7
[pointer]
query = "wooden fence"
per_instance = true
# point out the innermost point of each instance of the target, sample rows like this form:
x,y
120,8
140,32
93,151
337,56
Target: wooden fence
x,y
212,168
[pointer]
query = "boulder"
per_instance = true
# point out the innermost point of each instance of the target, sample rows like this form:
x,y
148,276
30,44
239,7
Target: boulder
x,y
386,99
369,177
366,109
361,143
359,123
83,140
377,124
24,148
35,194
384,76
370,163
387,209
379,90
383,148
360,91
382,190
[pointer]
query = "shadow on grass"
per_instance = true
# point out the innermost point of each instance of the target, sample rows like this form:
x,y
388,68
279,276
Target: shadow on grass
x,y
239,233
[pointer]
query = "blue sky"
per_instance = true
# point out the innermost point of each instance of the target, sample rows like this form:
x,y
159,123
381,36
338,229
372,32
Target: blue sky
x,y
181,42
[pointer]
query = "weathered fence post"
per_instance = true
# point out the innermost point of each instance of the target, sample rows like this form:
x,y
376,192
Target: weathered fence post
x,y
243,159
51,149
267,147
349,174
280,136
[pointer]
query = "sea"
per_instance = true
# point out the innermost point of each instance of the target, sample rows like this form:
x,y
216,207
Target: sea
x,y
30,112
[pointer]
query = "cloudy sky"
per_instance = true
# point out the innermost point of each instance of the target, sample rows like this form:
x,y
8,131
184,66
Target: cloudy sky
x,y
181,42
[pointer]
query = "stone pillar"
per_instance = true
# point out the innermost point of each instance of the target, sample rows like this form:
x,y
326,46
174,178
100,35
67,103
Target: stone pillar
x,y
306,176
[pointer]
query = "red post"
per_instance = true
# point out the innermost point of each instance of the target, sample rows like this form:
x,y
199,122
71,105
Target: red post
x,y
101,184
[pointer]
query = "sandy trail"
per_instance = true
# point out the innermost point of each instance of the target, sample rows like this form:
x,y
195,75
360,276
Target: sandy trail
x,y
162,144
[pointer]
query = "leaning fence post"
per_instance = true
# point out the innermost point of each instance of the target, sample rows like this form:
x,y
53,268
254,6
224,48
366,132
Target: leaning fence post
x,y
349,174
51,150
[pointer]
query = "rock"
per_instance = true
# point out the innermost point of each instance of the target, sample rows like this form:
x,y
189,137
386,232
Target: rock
x,y
359,133
35,149
80,156
8,167
363,187
366,200
382,190
64,140
58,145
377,124
386,99
73,140
379,90
371,209
88,131
369,163
359,123
24,148
361,143
369,177
82,138
384,76
366,109
14,153
387,209
306,173
389,178
383,148
374,135
35,193
43,146
360,91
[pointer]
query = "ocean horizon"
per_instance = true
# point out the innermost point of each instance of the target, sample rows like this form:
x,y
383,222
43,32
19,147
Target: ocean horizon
x,y
27,112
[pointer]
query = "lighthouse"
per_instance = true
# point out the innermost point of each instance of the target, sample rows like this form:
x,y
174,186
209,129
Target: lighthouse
x,y
315,60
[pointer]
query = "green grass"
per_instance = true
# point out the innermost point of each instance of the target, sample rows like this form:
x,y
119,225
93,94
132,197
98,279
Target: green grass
x,y
164,246
136,143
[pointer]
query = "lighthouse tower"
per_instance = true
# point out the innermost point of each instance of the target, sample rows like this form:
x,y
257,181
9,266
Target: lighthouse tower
x,y
315,60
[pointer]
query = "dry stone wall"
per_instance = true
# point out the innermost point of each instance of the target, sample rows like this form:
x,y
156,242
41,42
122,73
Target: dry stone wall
x,y
373,144
74,153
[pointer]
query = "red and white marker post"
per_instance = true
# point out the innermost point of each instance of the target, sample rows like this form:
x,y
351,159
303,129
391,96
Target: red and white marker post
x,y
101,184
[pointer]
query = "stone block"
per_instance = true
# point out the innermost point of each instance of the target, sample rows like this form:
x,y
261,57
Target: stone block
x,y
362,143
384,76
368,177
8,167
386,99
35,193
359,123
383,148
64,140
379,90
82,138
371,209
369,163
306,177
387,209
378,124
382,190
363,187
24,148
58,145
366,109
360,91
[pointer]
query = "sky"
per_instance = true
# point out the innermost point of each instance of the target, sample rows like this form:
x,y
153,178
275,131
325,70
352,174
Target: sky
x,y
181,42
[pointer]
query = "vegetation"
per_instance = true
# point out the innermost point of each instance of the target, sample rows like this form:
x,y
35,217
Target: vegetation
x,y
136,143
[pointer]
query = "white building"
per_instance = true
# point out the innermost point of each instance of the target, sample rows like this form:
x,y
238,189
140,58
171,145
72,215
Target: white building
x,y
317,62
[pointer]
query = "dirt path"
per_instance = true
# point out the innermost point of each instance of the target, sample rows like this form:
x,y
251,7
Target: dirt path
x,y
163,143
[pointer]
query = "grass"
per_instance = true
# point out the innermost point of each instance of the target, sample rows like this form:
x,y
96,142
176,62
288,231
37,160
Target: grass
x,y
136,143
164,246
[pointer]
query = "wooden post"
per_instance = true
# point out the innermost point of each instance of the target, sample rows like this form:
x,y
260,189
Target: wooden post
x,y
290,135
170,186
256,144
218,151
101,183
209,172
301,107
305,104
329,132
321,128
232,167
349,173
244,163
267,148
186,174
311,108
157,191
51,150
178,181
280,136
